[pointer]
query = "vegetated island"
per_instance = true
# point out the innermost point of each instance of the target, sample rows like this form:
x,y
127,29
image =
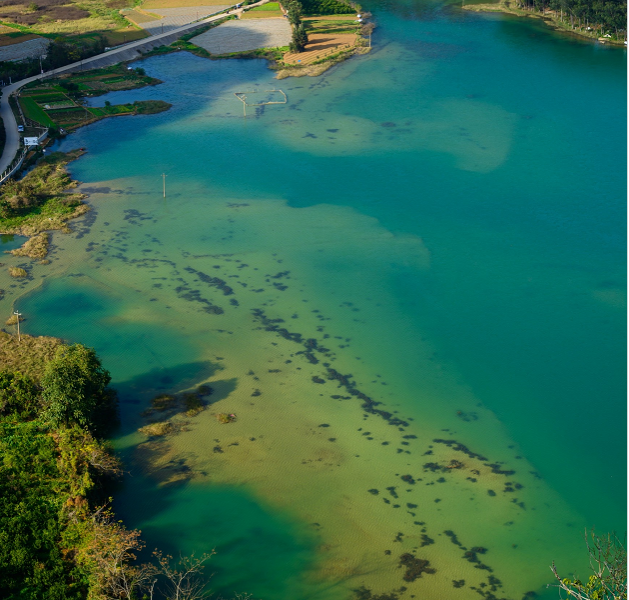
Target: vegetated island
x,y
58,537
603,22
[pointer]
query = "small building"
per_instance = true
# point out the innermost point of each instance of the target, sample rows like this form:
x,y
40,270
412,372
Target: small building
x,y
31,141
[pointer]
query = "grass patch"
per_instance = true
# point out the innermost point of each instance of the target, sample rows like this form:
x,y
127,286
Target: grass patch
x,y
29,356
262,15
13,319
150,107
265,7
110,111
33,111
39,202
35,247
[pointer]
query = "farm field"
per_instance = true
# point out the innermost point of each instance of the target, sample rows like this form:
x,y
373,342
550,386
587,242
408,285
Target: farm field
x,y
54,103
269,14
79,22
152,4
320,46
271,10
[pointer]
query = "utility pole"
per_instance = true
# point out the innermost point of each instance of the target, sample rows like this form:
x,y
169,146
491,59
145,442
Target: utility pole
x,y
17,316
164,182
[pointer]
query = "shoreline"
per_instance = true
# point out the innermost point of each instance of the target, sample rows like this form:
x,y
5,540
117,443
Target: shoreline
x,y
274,55
549,18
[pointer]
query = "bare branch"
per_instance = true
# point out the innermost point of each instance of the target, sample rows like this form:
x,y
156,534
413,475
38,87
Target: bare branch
x,y
608,562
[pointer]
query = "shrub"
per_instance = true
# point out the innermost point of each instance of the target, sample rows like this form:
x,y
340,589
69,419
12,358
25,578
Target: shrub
x,y
17,272
156,429
192,403
163,402
225,418
75,390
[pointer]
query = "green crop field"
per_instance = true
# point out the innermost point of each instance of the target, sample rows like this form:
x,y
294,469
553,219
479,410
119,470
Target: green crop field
x,y
119,109
34,112
44,98
268,6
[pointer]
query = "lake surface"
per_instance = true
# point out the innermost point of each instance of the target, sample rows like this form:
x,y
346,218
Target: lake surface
x,y
438,227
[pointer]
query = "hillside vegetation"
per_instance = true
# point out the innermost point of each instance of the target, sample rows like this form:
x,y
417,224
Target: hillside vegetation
x,y
54,406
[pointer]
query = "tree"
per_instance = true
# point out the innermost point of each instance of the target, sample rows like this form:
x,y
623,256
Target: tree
x,y
74,390
110,552
294,13
608,561
183,579
300,39
18,395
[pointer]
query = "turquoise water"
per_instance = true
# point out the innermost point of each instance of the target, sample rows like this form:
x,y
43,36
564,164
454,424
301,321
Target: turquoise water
x,y
454,205
10,242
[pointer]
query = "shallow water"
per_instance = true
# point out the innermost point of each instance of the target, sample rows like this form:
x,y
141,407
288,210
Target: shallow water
x,y
445,217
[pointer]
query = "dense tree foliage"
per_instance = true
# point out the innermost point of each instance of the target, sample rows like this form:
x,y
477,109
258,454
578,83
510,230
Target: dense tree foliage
x,y
74,389
52,474
60,52
58,539
299,36
600,16
325,7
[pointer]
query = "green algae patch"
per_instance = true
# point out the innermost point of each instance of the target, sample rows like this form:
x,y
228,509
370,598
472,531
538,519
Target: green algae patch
x,y
39,202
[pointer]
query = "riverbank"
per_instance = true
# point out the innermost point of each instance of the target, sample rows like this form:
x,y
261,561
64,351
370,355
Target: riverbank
x,y
551,18
40,203
497,283
329,45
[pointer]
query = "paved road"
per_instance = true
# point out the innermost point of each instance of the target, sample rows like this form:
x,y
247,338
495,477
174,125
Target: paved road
x,y
127,52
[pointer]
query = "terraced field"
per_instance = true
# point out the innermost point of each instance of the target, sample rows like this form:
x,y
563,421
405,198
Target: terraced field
x,y
320,46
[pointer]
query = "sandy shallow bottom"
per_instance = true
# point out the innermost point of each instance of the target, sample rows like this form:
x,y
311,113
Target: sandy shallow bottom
x,y
286,313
